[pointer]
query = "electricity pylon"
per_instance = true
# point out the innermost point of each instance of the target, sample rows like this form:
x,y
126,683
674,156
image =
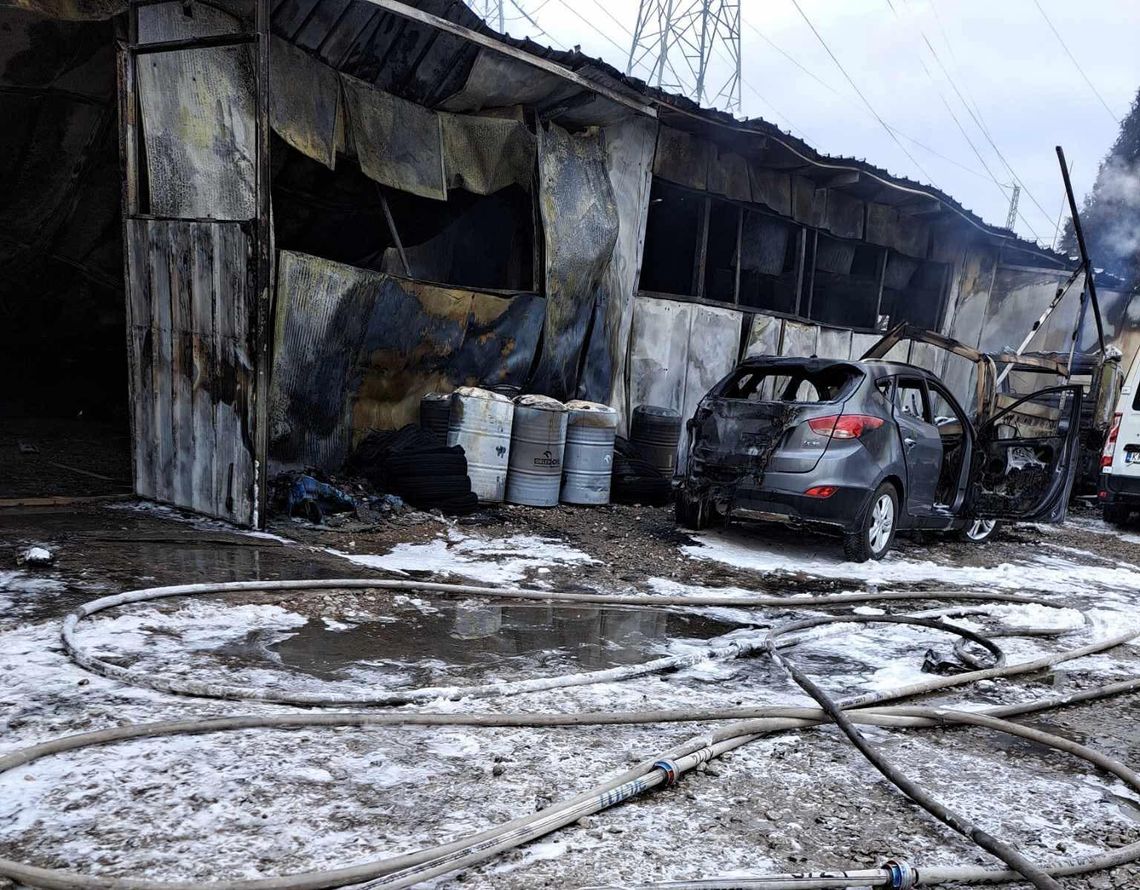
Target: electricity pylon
x,y
490,11
677,39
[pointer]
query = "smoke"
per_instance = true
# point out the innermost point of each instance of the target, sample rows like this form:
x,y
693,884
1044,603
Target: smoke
x,y
1114,230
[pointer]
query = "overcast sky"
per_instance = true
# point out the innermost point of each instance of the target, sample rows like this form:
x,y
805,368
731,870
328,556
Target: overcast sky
x,y
1001,56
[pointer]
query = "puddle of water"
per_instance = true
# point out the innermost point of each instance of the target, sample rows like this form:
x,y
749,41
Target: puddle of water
x,y
414,645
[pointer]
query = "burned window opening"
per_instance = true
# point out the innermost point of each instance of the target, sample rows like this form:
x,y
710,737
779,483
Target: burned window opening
x,y
913,291
672,233
846,283
721,252
768,263
472,241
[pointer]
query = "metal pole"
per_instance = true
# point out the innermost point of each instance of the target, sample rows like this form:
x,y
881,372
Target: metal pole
x,y
264,288
1090,277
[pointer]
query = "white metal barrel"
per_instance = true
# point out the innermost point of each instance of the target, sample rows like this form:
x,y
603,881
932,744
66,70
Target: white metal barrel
x,y
537,442
588,462
480,421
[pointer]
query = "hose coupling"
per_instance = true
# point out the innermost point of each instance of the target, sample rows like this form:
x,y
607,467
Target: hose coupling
x,y
902,874
672,774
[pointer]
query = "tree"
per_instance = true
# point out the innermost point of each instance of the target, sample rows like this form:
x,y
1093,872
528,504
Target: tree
x,y
1110,215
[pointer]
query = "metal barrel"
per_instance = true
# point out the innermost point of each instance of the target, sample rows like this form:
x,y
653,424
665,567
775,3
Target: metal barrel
x,y
538,439
656,431
435,415
480,421
588,461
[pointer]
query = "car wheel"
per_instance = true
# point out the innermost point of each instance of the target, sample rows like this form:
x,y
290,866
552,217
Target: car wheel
x,y
877,531
978,531
1116,514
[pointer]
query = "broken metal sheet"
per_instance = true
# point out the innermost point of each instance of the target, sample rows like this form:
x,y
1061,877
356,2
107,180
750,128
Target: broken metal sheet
x,y
771,188
658,352
800,339
580,226
398,143
833,343
728,176
804,200
199,133
763,244
485,154
928,356
713,351
832,255
974,280
304,102
190,313
498,81
173,21
1017,299
683,158
764,335
357,349
842,214
888,227
198,121
629,147
860,343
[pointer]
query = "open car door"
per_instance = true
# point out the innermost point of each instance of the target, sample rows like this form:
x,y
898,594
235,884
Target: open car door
x,y
1027,457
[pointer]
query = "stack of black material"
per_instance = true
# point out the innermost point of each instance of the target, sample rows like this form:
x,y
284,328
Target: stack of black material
x,y
411,463
635,479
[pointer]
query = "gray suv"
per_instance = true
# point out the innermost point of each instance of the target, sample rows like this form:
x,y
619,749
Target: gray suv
x,y
869,448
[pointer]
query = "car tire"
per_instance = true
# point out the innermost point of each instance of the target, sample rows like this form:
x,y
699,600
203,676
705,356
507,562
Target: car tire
x,y
978,531
876,529
1115,514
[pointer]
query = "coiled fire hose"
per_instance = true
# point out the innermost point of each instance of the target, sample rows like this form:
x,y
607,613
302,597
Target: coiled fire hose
x,y
663,769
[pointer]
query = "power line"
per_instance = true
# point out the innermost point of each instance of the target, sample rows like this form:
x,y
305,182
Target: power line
x,y
541,31
1073,59
859,92
961,129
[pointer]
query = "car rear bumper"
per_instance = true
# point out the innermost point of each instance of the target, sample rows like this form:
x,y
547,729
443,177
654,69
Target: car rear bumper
x,y
783,498
1119,489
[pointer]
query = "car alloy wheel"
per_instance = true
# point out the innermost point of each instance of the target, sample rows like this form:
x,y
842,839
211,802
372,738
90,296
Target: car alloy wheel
x,y
882,523
980,529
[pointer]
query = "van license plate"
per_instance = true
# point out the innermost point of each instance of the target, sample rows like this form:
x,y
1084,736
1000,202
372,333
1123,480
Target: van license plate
x,y
1132,457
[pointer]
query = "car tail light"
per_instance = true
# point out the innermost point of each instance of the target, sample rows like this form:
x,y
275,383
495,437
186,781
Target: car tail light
x,y
844,426
821,491
1110,442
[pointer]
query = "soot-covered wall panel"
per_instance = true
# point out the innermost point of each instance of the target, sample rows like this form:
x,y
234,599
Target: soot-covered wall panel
x,y
580,227
357,349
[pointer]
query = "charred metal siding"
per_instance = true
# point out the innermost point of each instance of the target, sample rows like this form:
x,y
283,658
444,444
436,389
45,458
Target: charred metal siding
x,y
190,306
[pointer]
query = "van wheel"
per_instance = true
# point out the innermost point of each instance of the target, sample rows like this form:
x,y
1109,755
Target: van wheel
x,y
877,530
978,531
1116,514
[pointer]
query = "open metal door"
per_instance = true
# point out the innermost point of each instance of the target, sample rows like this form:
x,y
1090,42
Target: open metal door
x,y
1027,457
194,141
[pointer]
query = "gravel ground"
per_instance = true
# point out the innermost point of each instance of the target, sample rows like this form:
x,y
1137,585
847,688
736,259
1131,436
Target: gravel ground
x,y
259,803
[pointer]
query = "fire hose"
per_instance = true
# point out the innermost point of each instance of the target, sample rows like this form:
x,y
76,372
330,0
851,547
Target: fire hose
x,y
665,768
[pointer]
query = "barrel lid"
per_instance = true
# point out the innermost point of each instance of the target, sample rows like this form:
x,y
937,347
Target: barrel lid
x,y
656,411
541,403
436,397
476,392
591,414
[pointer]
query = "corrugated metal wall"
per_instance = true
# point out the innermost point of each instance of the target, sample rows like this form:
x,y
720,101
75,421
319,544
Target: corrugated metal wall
x,y
192,374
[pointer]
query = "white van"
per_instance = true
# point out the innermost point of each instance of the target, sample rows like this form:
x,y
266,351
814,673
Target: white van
x,y
1119,488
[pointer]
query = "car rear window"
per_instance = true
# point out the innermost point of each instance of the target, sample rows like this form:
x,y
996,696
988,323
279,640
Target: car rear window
x,y
798,385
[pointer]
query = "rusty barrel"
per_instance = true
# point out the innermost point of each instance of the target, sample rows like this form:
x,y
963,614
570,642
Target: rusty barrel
x,y
656,431
480,421
588,461
538,439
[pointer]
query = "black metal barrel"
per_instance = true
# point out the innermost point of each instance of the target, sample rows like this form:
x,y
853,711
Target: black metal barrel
x,y
655,432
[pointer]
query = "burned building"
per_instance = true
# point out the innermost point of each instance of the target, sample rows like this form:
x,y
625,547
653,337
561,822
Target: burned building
x,y
258,229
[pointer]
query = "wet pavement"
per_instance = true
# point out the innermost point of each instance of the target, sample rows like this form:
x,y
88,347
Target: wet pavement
x,y
214,805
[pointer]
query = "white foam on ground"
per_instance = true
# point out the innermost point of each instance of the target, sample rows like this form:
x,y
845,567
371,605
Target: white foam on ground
x,y
489,560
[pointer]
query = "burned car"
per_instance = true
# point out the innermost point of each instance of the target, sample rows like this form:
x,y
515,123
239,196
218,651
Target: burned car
x,y
872,447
